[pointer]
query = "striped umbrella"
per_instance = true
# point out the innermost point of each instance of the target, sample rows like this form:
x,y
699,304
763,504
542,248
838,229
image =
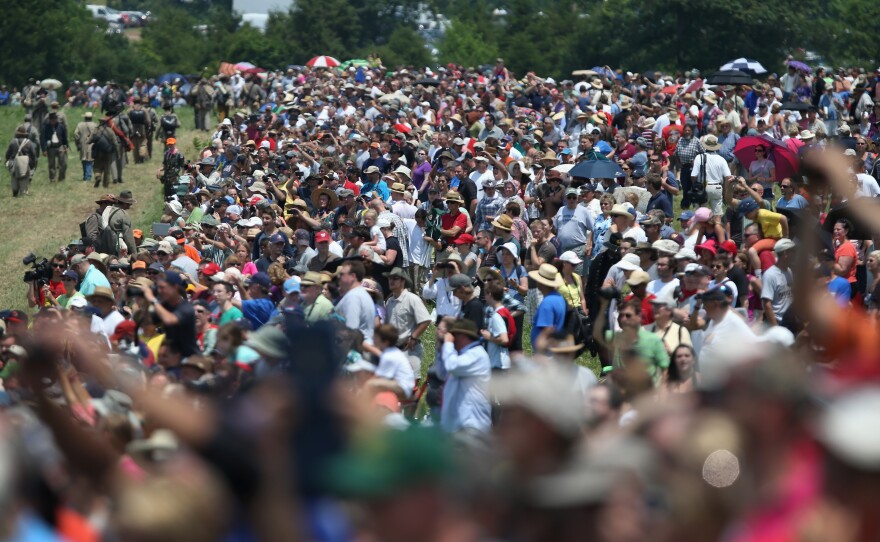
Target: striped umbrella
x,y
323,61
746,65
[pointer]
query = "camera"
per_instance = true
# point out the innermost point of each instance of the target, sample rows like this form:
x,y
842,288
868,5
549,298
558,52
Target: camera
x,y
697,193
610,293
40,272
134,291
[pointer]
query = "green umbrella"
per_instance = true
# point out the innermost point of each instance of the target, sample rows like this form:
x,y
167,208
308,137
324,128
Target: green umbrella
x,y
356,62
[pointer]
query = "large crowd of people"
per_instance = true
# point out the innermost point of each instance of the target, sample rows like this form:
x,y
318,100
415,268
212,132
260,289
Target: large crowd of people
x,y
440,303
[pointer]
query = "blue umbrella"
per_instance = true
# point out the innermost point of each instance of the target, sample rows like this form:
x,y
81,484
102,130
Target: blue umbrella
x,y
603,71
169,78
597,169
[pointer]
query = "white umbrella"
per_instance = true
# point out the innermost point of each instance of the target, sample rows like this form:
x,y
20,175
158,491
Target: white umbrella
x,y
746,65
50,84
323,61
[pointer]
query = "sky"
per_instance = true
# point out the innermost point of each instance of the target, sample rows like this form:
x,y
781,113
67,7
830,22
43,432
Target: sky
x,y
260,6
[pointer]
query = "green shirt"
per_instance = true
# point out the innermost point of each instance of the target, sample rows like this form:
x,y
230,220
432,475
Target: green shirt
x,y
64,300
650,349
231,315
319,310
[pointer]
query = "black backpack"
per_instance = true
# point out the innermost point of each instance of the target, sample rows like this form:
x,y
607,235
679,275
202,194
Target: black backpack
x,y
168,124
137,116
101,144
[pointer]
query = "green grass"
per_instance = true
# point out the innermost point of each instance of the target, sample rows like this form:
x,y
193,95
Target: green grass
x,y
50,217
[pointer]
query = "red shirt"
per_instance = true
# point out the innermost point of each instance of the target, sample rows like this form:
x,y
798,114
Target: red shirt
x,y
672,134
57,289
351,186
448,221
647,308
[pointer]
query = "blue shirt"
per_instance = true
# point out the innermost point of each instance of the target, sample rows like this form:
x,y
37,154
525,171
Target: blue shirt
x,y
258,311
465,395
381,187
550,313
93,279
797,202
603,146
841,289
662,201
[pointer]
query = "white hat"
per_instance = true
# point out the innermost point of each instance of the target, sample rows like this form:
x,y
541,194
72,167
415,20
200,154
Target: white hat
x,y
265,145
547,394
850,428
570,257
849,152
665,298
805,135
666,246
226,122
686,254
630,262
510,247
384,222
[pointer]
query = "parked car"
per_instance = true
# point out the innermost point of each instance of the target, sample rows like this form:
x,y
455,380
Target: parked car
x,y
136,18
107,14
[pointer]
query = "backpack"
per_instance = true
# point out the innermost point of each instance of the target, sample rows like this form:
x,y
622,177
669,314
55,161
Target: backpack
x,y
102,145
108,239
19,165
511,325
137,116
168,124
578,326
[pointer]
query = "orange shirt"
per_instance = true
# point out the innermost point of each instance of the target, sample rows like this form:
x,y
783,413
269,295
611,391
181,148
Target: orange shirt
x,y
847,249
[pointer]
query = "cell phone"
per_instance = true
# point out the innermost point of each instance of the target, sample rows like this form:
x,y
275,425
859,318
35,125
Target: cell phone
x,y
161,228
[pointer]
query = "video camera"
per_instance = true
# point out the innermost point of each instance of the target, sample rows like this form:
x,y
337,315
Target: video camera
x,y
40,272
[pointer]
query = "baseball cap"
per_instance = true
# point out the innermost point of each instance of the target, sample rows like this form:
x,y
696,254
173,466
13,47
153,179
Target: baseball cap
x,y
322,237
139,264
458,280
71,274
292,285
638,277
666,246
686,215
211,269
165,247
630,262
260,278
384,223
722,292
157,267
746,206
276,238
78,259
695,268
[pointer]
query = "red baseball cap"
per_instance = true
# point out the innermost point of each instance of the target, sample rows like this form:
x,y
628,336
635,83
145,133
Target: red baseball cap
x,y
464,239
123,328
211,269
322,236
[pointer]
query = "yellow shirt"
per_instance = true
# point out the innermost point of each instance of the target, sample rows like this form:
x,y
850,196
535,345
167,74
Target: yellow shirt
x,y
770,223
572,292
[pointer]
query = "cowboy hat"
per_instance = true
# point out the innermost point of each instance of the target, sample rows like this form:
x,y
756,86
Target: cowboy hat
x,y
620,209
399,273
805,135
550,155
316,196
454,197
484,272
126,197
398,188
547,275
106,198
503,222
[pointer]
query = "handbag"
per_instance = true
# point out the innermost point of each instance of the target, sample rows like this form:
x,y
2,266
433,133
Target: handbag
x,y
19,164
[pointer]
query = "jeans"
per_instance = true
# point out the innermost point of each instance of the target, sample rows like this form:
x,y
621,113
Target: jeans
x,y
87,169
685,178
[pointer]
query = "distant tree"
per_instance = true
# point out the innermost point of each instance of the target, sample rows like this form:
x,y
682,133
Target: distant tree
x,y
405,47
467,44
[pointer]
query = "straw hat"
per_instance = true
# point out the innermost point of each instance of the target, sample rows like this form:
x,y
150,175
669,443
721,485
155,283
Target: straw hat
x,y
547,275
503,222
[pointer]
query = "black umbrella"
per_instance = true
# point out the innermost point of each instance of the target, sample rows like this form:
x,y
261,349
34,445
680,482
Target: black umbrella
x,y
860,230
796,106
730,77
428,82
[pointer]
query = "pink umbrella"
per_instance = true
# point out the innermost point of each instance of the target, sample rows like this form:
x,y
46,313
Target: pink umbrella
x,y
784,160
695,86
247,67
323,61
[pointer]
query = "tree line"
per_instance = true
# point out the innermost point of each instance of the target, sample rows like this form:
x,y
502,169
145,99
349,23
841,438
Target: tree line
x,y
60,39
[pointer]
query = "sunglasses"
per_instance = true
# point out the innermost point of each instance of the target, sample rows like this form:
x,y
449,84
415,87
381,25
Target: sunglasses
x,y
59,265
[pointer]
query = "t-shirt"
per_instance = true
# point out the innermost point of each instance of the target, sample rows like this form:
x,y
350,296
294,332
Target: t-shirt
x,y
796,202
358,312
230,315
842,291
550,313
776,287
650,349
499,355
394,365
448,221
183,334
391,243
847,249
258,311
473,311
769,223
572,226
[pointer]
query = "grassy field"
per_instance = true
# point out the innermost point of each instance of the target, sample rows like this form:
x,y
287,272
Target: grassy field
x,y
50,217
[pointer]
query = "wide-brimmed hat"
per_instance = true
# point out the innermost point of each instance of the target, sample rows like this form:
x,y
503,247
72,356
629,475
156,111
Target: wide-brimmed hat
x,y
101,292
620,209
398,188
269,341
503,222
648,123
405,171
399,273
464,326
511,248
316,195
106,198
805,135
547,275
710,142
484,272
454,197
550,155
126,197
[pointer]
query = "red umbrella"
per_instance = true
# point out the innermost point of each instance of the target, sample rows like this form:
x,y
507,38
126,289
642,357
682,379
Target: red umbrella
x,y
670,89
403,128
785,161
695,86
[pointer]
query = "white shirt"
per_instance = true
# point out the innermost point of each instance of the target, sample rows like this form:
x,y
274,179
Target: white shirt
x,y
716,168
447,304
725,344
465,396
394,365
657,286
868,186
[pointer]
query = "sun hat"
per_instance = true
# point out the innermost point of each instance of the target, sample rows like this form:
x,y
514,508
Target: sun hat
x,y
686,254
511,248
466,327
666,246
503,222
710,142
398,272
620,209
101,292
269,341
454,197
566,346
546,393
570,257
708,246
547,275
